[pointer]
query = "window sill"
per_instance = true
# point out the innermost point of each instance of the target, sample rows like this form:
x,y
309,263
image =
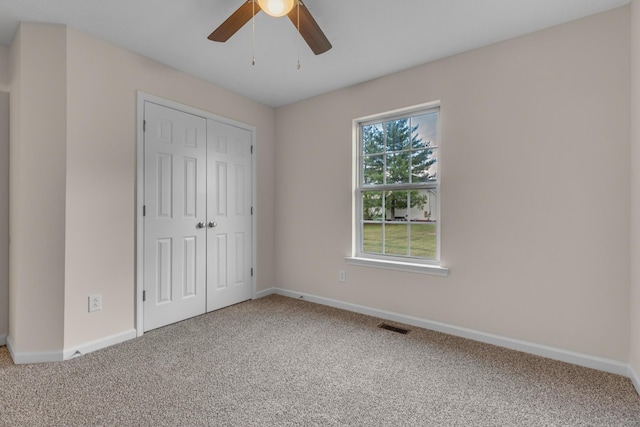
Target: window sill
x,y
398,265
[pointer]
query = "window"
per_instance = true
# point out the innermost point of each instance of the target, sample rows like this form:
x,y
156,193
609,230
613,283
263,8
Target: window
x,y
397,215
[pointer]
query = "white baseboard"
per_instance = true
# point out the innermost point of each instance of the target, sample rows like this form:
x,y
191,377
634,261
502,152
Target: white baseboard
x,y
594,362
264,293
3,339
60,355
89,347
32,357
635,379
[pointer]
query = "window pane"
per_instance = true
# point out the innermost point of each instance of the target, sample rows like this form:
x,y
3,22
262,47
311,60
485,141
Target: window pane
x,y
372,139
424,130
396,205
373,170
398,158
372,206
424,165
424,206
398,134
372,238
395,239
423,240
398,168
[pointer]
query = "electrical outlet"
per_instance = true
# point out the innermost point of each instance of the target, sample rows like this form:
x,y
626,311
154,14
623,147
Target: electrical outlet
x,y
342,276
95,302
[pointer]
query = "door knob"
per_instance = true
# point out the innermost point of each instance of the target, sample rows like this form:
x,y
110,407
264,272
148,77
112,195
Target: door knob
x,y
212,224
201,225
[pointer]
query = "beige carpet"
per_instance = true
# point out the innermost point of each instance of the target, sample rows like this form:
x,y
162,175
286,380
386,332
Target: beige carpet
x,y
284,362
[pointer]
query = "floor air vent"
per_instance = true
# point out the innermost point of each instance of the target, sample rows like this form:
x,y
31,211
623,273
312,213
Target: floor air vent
x,y
394,328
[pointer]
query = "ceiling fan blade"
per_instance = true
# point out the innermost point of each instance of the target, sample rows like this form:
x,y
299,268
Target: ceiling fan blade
x,y
235,21
309,29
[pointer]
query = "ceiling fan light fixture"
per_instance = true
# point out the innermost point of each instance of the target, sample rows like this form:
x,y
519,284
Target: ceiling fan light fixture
x,y
301,18
276,8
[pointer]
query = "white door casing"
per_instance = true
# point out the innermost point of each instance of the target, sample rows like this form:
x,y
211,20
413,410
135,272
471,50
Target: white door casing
x,y
229,239
175,204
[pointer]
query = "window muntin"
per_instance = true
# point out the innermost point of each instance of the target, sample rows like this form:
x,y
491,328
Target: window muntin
x,y
397,187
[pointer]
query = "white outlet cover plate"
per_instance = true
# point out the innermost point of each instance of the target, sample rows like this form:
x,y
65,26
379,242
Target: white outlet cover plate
x,y
95,302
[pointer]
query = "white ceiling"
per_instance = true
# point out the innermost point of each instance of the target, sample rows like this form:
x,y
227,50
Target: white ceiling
x,y
370,38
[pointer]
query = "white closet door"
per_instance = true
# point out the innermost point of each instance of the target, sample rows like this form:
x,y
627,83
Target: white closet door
x,y
175,153
229,240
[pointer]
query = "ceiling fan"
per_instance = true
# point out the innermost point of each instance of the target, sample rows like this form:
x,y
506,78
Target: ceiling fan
x,y
294,9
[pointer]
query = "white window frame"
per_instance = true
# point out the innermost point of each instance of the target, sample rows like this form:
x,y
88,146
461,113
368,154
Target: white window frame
x,y
357,257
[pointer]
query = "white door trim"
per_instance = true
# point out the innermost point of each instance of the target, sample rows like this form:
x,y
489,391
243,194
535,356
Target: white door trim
x,y
143,97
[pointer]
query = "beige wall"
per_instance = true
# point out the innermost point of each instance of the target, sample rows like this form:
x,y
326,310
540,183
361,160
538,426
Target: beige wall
x,y
73,181
535,189
4,215
4,192
37,188
635,190
100,199
4,68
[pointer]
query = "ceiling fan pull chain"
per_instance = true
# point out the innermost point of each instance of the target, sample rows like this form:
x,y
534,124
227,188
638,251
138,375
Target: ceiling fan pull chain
x,y
298,42
253,34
